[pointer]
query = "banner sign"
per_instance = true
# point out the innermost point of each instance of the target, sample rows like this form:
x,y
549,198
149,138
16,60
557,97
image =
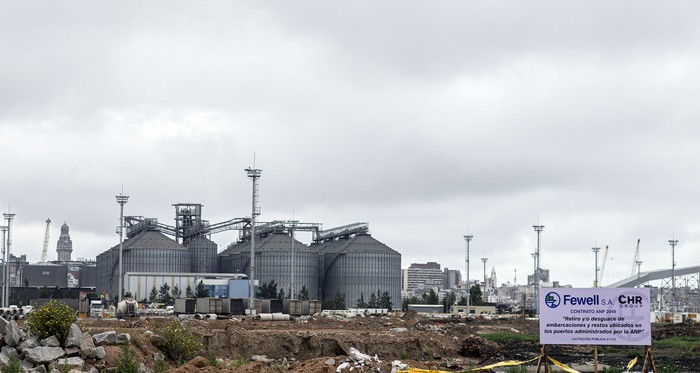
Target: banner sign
x,y
595,316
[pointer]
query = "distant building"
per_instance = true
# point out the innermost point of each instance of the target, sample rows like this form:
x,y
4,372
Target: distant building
x,y
429,275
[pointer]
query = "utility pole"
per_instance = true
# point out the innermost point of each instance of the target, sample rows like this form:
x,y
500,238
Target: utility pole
x,y
639,270
596,250
538,229
468,239
673,243
121,200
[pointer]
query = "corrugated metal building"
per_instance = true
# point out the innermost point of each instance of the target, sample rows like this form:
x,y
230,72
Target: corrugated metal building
x,y
45,275
204,257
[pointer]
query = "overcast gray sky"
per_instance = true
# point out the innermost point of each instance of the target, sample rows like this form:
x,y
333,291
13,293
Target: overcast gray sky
x,y
426,119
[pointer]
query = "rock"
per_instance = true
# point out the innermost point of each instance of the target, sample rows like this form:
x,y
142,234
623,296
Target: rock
x,y
330,362
13,333
43,355
398,330
28,343
3,325
100,353
93,370
73,336
262,358
38,369
72,351
144,369
51,341
87,347
4,360
71,362
199,362
26,364
9,351
123,338
106,338
158,357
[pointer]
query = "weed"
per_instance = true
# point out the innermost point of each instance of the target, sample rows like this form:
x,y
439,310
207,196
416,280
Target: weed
x,y
502,337
403,356
236,363
160,366
13,366
213,360
126,362
179,342
671,368
612,370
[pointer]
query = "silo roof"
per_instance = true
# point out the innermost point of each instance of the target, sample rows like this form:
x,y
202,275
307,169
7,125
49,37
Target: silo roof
x,y
360,243
273,242
151,239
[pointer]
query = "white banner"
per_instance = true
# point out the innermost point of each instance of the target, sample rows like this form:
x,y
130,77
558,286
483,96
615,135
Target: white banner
x,y
595,316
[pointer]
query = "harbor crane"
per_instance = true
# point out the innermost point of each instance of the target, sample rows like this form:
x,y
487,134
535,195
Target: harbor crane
x,y
46,241
635,267
602,268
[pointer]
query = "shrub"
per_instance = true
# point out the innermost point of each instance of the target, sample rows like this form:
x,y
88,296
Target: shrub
x,y
516,369
126,362
178,342
52,318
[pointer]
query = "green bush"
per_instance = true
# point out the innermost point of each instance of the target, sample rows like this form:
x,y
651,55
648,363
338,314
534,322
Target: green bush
x,y
126,362
52,318
612,370
179,342
516,369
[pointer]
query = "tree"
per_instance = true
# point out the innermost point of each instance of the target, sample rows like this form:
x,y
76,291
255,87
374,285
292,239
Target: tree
x,y
462,301
372,303
164,294
268,290
202,291
448,301
337,303
128,295
430,297
176,292
154,294
303,293
475,296
188,292
385,300
361,301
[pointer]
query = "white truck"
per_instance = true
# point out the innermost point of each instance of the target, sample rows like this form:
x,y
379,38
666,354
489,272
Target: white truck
x,y
96,308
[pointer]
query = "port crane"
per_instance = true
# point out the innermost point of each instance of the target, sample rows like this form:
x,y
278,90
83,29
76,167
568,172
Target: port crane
x,y
635,260
46,241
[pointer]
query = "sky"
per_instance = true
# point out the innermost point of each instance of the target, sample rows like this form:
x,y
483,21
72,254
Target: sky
x,y
429,120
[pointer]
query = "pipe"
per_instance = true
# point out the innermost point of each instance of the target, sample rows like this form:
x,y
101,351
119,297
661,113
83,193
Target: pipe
x,y
272,317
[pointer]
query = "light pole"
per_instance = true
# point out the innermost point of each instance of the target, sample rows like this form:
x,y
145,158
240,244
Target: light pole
x,y
538,229
468,239
8,217
254,175
673,274
596,250
121,200
484,260
3,300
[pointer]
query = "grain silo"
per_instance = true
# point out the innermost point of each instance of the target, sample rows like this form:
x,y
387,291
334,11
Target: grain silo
x,y
204,256
276,258
355,264
145,250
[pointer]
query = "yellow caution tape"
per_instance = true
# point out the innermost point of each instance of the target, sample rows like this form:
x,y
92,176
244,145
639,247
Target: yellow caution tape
x,y
562,366
631,364
488,367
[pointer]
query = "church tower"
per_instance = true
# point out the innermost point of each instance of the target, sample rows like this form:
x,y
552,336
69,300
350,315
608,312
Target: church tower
x,y
64,247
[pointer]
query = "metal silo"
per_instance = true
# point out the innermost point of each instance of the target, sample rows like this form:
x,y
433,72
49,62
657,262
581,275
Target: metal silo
x,y
147,251
275,260
359,265
204,258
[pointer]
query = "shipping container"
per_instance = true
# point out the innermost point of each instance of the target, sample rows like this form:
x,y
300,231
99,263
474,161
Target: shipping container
x,y
185,305
292,307
210,305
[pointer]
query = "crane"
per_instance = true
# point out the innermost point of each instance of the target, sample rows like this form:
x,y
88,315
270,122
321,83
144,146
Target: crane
x,y
635,260
46,241
602,268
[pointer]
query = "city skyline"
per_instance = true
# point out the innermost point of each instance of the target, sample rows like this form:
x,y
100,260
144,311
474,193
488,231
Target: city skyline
x,y
429,121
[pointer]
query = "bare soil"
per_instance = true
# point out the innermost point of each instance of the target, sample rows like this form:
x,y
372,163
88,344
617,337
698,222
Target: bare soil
x,y
323,343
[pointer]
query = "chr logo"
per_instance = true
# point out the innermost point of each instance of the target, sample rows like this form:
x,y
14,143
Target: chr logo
x,y
552,300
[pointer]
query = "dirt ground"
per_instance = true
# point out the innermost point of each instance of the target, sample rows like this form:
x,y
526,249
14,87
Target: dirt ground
x,y
377,344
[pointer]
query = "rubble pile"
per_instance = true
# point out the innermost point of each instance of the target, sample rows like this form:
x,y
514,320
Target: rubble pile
x,y
80,351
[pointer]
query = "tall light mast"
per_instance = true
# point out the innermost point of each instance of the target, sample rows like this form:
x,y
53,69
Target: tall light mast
x,y
254,174
484,260
467,238
3,300
673,243
8,217
538,229
121,200
596,250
